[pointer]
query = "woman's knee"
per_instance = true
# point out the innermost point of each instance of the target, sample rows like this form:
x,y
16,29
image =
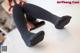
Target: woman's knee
x,y
16,7
28,5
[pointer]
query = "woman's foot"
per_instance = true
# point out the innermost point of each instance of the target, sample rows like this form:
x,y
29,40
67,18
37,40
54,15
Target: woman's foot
x,y
62,22
35,38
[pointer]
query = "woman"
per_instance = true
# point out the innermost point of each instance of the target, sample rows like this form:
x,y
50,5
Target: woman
x,y
34,12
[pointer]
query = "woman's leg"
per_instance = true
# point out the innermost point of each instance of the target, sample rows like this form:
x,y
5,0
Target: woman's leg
x,y
29,38
38,12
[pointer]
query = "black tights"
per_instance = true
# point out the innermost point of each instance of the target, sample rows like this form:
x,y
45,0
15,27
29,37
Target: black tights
x,y
32,12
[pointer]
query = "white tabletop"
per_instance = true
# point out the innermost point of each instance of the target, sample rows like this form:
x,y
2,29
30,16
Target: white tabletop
x,y
56,41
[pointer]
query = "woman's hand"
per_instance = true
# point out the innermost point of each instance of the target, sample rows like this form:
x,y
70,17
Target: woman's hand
x,y
11,3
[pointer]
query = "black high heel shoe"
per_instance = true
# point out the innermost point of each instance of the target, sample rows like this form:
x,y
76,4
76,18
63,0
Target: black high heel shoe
x,y
37,24
61,22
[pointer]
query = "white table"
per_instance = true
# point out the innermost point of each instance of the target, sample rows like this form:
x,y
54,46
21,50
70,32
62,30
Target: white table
x,y
55,41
